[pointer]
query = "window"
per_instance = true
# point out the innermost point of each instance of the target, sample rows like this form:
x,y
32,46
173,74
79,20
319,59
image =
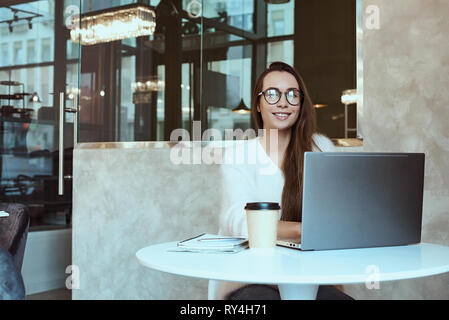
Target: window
x,y
187,95
94,5
127,107
160,104
46,50
280,19
46,85
73,49
233,78
5,55
30,80
27,43
18,53
31,51
37,79
280,51
4,75
235,13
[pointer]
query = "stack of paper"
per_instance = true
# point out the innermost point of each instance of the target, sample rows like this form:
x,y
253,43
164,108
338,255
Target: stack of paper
x,y
210,243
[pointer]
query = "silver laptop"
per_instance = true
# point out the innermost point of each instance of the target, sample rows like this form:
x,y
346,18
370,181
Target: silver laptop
x,y
360,200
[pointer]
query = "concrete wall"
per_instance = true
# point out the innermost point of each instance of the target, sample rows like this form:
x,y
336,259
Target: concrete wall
x,y
406,109
130,197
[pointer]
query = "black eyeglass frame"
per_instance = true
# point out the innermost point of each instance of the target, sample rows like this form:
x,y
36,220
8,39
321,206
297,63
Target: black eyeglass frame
x,y
301,96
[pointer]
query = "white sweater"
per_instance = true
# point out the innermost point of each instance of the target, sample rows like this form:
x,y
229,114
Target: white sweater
x,y
255,179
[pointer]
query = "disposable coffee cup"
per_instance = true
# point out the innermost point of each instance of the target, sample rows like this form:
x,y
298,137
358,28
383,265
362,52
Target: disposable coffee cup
x,y
262,219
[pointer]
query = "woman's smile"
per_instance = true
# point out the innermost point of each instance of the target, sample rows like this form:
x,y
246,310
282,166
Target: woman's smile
x,y
281,115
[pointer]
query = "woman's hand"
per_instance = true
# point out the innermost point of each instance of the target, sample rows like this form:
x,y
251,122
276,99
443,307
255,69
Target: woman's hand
x,y
288,229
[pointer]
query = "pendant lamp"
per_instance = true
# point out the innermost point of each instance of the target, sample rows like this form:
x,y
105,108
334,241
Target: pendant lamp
x,y
242,108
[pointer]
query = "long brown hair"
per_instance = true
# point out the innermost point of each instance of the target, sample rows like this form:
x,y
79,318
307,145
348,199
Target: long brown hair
x,y
300,141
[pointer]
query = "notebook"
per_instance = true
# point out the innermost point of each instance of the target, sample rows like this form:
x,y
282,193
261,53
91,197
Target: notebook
x,y
211,243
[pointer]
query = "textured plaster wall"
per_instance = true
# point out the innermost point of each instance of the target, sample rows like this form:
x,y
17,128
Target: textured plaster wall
x,y
406,109
123,204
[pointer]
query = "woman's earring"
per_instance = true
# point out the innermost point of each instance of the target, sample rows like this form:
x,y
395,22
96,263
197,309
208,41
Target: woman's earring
x,y
258,109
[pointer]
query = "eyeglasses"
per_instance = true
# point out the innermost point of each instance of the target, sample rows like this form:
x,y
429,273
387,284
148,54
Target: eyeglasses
x,y
273,95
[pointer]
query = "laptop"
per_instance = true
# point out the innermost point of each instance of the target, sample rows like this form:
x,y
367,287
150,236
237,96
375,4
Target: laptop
x,y
360,200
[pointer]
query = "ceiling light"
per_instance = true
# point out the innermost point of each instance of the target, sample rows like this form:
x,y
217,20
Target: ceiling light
x,y
241,108
119,23
349,96
148,85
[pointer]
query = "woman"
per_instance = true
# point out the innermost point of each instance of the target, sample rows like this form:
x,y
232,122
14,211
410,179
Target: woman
x,y
280,105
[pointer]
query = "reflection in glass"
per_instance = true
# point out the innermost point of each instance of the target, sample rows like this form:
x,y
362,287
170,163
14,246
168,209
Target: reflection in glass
x,y
25,44
187,95
127,107
31,51
94,5
280,51
226,95
4,59
46,49
280,19
27,139
114,24
235,13
215,73
18,53
160,105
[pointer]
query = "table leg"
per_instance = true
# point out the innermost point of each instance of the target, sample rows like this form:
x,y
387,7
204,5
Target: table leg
x,y
298,291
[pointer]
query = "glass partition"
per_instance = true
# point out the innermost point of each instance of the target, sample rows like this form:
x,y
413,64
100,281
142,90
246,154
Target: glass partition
x,y
36,63
198,64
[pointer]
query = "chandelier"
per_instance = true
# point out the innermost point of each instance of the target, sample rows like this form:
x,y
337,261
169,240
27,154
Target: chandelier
x,y
152,84
142,89
114,24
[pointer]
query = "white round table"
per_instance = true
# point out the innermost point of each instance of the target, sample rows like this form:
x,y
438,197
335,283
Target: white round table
x,y
299,273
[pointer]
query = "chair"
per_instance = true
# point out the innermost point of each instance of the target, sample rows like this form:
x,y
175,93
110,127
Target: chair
x,y
13,237
11,281
14,231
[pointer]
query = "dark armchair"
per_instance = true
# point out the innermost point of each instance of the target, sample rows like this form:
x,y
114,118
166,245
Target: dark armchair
x,y
13,237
